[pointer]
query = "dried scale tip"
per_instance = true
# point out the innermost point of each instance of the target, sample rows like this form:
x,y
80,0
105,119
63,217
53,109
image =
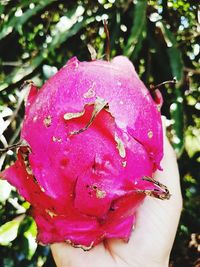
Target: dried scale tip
x,y
25,83
155,193
154,87
92,52
84,248
99,104
21,143
25,151
156,94
105,24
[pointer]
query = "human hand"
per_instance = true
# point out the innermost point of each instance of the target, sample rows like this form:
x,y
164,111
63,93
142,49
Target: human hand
x,y
153,236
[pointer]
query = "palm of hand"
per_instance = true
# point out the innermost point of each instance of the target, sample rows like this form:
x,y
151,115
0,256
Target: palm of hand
x,y
154,233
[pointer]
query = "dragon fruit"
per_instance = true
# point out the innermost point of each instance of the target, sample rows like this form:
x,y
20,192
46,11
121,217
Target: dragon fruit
x,y
92,139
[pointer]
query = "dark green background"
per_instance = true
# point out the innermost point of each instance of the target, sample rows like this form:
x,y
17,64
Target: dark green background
x,y
162,40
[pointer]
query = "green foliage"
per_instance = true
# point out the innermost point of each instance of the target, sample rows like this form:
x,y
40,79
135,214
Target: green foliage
x,y
162,39
8,232
139,21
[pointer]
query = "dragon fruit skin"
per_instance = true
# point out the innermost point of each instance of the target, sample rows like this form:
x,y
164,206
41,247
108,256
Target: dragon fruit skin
x,y
86,183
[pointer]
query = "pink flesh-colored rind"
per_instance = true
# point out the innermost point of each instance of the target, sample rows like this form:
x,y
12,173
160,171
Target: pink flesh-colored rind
x,y
118,224
83,76
73,89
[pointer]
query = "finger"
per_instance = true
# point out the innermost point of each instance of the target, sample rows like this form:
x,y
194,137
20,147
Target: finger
x,y
67,256
157,220
61,254
170,174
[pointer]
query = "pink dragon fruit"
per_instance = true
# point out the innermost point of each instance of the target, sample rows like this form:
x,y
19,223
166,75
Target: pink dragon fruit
x,y
94,139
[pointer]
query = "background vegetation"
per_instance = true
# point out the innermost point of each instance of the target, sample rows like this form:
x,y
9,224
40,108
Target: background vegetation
x,y
161,38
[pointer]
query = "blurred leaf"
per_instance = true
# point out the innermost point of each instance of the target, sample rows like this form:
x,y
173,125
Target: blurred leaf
x,y
7,262
174,53
115,26
2,8
178,125
21,72
138,45
139,20
26,205
8,231
30,235
192,143
15,22
5,189
49,71
176,62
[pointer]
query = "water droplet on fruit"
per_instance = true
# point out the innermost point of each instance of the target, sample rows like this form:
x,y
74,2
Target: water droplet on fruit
x,y
119,83
90,92
47,121
35,118
124,164
150,134
56,139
